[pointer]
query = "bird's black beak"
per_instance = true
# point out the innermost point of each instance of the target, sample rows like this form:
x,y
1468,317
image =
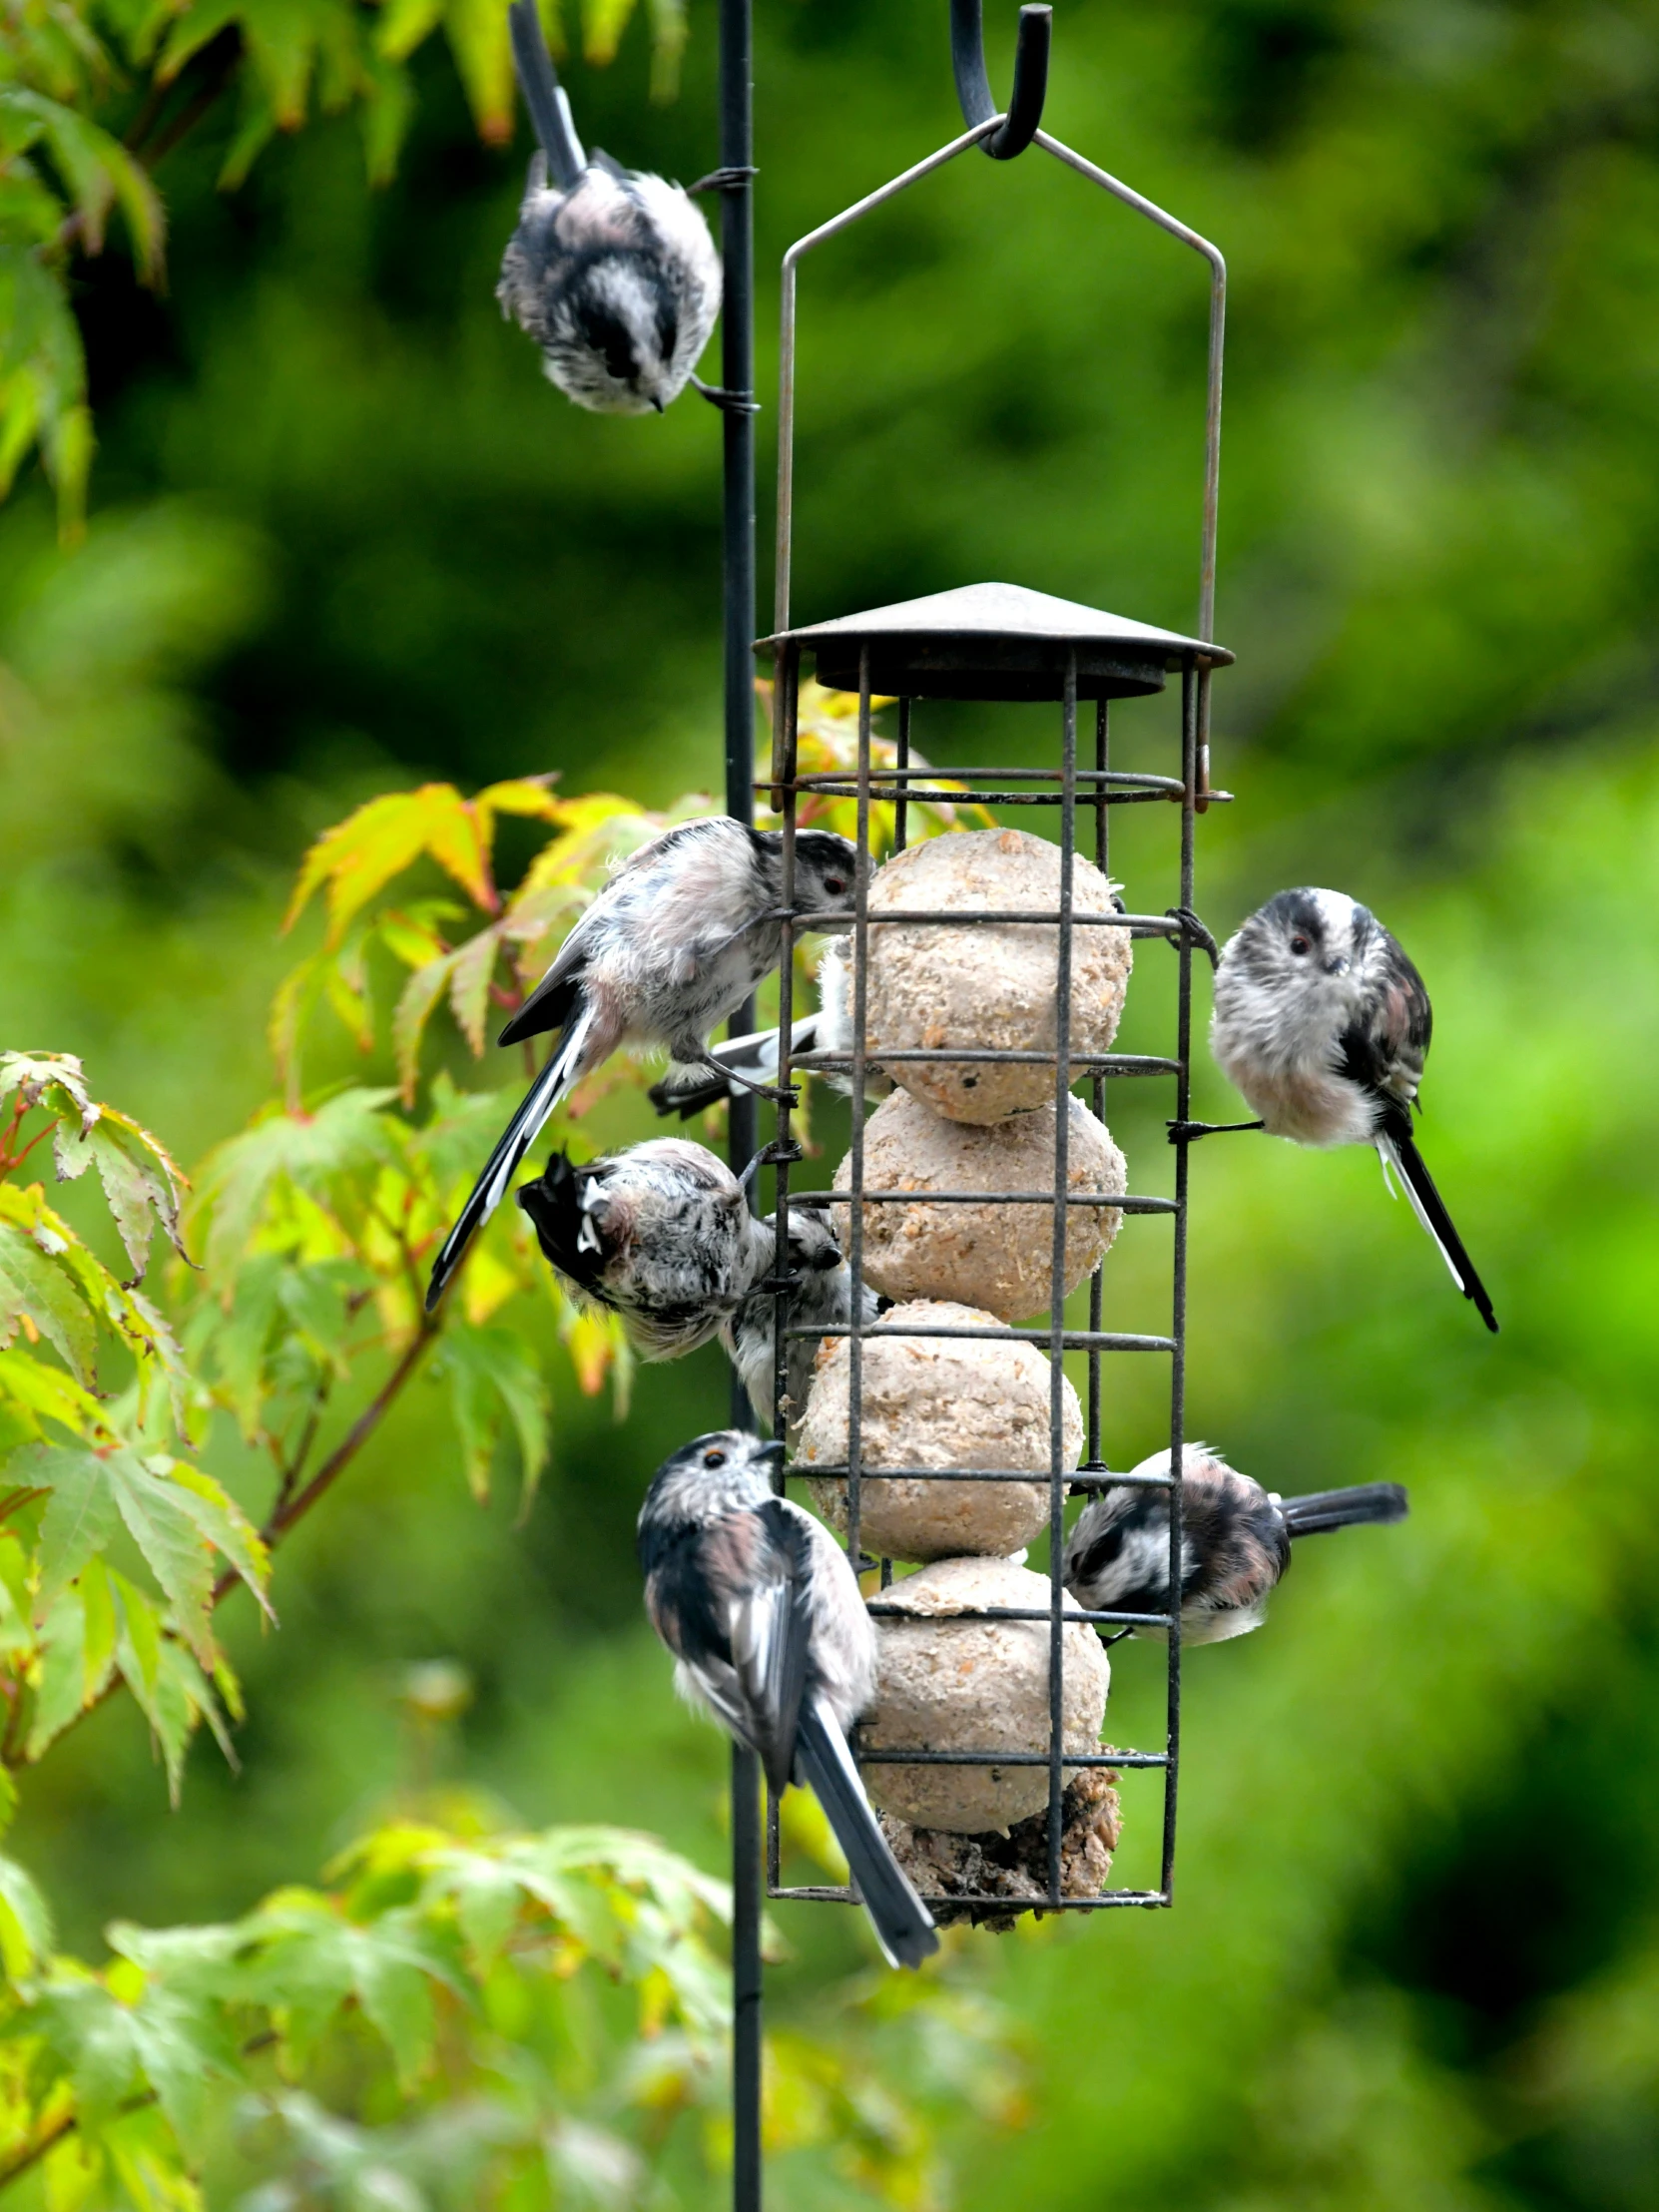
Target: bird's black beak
x,y
656,402
772,1454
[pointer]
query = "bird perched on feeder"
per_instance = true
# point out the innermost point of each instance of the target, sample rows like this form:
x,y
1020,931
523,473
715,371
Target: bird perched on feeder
x,y
1236,1542
659,1233
1324,1024
761,1611
613,274
754,1059
822,1298
677,939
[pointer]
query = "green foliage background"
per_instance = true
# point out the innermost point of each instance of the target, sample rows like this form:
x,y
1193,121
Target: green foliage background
x,y
343,538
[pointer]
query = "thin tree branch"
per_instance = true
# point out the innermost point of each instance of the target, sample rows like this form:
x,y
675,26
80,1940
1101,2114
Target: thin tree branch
x,y
355,1437
192,113
37,2149
288,1511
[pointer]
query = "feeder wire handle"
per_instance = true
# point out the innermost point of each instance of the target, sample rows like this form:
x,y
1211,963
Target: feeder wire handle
x,y
973,86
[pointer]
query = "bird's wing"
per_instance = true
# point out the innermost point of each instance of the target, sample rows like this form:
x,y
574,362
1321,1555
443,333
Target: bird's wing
x,y
553,1000
1386,1045
770,1616
556,997
665,843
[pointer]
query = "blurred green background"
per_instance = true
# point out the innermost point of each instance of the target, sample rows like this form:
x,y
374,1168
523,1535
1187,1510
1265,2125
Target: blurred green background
x,y
344,537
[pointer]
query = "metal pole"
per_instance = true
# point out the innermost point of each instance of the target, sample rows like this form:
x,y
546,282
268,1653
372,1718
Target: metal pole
x,y
737,238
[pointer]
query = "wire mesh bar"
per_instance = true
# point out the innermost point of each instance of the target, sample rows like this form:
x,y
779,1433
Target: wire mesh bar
x,y
902,773
1109,1063
1178,1284
995,1904
1082,1760
1096,1480
986,794
1089,1617
1100,1202
1057,1280
1097,1075
1072,1340
1168,785
953,917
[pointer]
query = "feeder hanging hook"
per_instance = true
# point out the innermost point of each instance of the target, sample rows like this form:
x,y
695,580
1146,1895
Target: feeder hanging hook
x,y
973,86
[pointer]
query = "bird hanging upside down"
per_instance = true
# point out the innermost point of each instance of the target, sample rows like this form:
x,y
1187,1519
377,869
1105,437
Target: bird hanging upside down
x,y
613,274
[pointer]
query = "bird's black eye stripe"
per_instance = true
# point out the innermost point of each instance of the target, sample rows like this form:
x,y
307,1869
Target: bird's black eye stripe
x,y
667,331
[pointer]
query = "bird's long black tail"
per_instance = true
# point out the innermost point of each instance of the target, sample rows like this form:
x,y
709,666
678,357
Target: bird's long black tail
x,y
540,1101
544,96
688,1091
902,1924
1400,1152
1319,1510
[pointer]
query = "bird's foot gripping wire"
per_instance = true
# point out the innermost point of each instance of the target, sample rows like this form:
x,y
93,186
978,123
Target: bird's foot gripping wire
x,y
772,1156
729,403
771,1092
1192,928
1189,1132
723,179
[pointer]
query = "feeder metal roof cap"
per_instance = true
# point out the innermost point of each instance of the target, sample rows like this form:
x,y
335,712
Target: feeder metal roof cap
x,y
996,641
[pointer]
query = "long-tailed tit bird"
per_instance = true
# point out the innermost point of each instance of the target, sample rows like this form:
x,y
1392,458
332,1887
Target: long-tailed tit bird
x,y
822,1298
1322,1023
661,1234
754,1059
760,1609
677,939
1236,1542
614,274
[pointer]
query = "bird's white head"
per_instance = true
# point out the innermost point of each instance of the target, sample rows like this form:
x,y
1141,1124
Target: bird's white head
x,y
1304,943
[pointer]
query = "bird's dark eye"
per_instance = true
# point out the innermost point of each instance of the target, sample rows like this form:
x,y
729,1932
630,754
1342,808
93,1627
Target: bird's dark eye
x,y
1300,945
834,886
714,1459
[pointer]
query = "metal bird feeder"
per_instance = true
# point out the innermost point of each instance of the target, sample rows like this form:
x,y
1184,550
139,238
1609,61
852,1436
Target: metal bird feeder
x,y
998,642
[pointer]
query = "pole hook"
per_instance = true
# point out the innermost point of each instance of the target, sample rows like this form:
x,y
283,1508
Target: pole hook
x,y
973,86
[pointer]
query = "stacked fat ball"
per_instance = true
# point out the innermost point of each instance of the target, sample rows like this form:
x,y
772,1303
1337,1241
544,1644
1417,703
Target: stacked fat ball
x,y
955,1673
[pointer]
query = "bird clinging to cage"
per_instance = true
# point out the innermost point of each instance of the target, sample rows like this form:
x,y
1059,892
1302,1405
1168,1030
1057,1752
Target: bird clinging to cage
x,y
677,939
659,1233
1324,1024
613,274
763,1613
1236,1542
